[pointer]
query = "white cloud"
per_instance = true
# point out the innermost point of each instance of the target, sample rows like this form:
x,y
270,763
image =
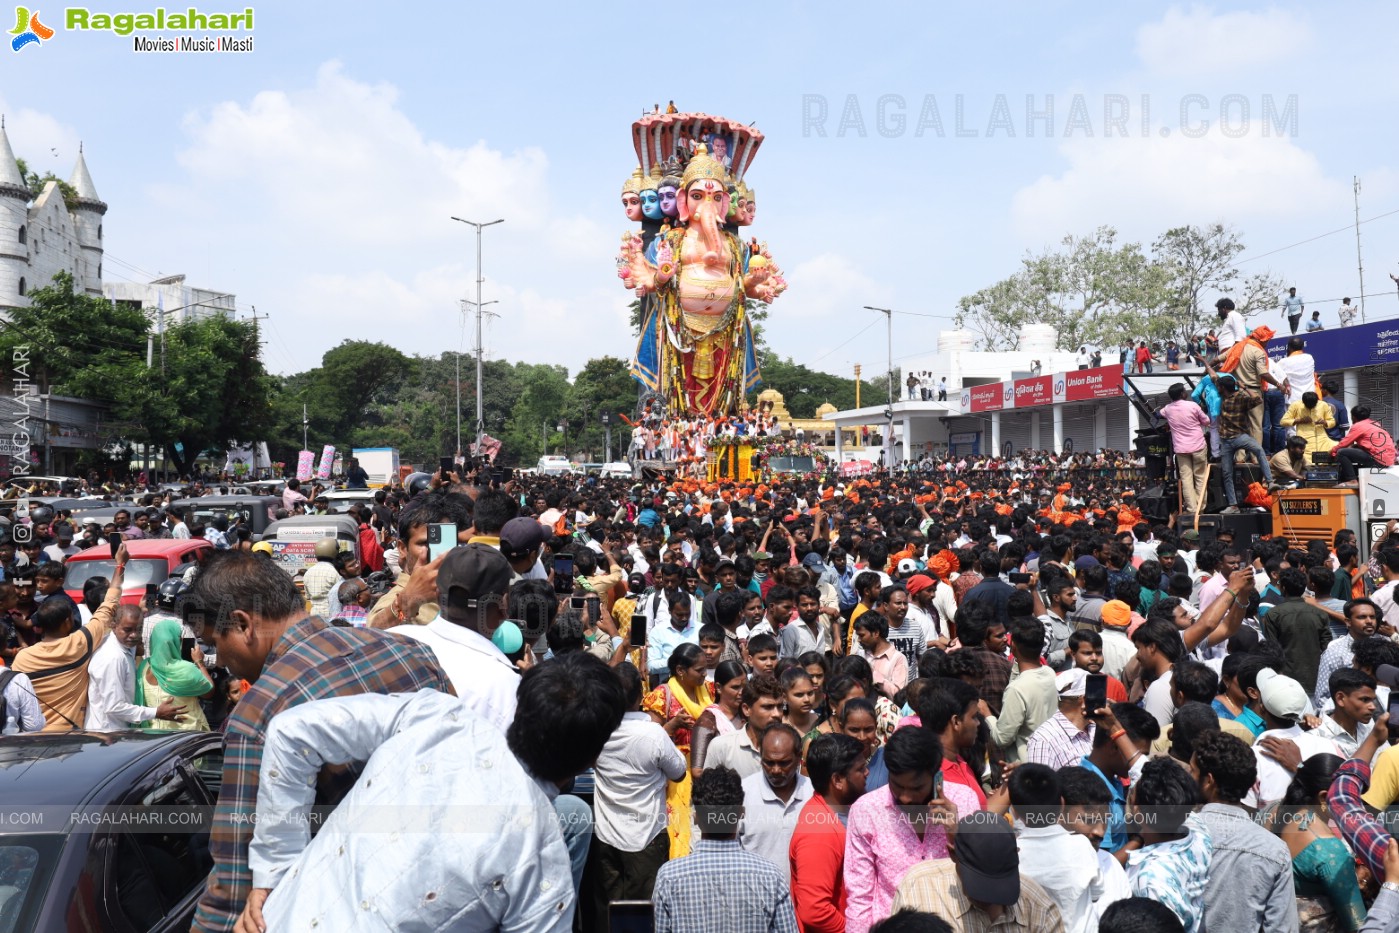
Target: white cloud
x,y
35,136
1197,41
346,203
1144,186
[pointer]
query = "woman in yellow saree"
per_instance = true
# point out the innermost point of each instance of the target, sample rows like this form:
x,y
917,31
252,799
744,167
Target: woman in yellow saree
x,y
677,705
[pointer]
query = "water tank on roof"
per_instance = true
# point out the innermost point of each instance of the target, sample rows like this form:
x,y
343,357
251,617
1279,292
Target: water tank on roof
x,y
955,340
1038,338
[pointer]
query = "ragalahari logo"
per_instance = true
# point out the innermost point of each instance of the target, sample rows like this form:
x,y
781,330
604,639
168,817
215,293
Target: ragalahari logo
x,y
28,30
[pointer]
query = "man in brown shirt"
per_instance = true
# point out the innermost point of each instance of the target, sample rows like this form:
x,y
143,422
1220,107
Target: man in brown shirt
x,y
1237,405
57,664
1252,373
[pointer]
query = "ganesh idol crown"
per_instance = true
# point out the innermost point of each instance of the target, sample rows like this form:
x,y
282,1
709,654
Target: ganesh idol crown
x,y
690,264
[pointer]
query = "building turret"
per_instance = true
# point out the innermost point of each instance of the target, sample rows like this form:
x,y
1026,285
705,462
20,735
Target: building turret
x,y
87,218
14,234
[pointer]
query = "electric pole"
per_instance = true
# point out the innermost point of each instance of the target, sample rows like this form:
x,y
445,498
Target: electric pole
x,y
480,420
1359,261
889,411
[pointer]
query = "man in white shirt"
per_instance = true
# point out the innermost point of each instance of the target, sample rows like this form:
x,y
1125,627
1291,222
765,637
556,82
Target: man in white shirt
x,y
21,704
178,529
1064,863
63,546
473,816
1284,701
629,802
471,585
1296,370
1387,596
922,590
1231,327
773,798
111,680
1353,710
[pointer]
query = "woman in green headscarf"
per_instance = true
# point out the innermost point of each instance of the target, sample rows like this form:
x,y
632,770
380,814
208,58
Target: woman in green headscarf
x,y
167,676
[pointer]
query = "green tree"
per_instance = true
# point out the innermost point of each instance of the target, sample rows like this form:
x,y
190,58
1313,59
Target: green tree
x,y
1094,291
1198,263
1090,290
213,394
804,389
36,183
543,396
354,380
603,385
70,342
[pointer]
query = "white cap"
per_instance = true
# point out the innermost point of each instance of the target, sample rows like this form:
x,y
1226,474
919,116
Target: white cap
x,y
908,565
1282,696
1071,683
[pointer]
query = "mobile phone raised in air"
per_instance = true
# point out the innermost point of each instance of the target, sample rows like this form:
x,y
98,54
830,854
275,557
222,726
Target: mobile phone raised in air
x,y
1095,693
446,466
563,573
1017,578
115,542
440,539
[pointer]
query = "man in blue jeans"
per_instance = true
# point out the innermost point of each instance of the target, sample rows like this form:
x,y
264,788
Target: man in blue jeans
x,y
1235,403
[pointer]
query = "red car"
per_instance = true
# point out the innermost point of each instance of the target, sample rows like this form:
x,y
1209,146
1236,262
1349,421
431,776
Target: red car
x,y
152,562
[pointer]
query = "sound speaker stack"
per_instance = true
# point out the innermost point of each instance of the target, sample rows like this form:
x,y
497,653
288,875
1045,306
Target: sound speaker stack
x,y
1247,527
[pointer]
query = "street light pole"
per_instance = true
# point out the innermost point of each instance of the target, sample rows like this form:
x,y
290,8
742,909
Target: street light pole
x,y
607,437
305,426
480,415
480,419
889,412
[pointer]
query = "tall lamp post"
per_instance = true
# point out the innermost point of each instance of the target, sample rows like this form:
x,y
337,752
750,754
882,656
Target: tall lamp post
x,y
889,411
607,437
480,421
480,415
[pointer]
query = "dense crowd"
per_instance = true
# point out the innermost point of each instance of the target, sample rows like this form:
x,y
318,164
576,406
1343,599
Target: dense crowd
x,y
985,697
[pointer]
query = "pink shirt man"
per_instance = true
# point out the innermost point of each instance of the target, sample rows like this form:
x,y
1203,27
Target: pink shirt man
x,y
881,846
1188,423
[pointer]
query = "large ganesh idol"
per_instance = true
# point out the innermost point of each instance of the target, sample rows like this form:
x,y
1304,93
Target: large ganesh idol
x,y
695,275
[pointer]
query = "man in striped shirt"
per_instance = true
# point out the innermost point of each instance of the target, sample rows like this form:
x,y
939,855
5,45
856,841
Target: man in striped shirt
x,y
251,611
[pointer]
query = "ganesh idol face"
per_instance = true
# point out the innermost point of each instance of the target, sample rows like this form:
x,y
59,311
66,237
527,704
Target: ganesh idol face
x,y
706,198
651,204
667,195
631,203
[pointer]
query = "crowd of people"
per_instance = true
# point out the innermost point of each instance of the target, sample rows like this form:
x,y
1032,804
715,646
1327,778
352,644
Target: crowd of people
x,y
907,702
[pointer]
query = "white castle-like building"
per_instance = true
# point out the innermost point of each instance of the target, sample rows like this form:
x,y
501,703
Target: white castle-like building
x,y
41,239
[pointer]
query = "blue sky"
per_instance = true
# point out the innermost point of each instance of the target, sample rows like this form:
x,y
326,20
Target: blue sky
x,y
315,176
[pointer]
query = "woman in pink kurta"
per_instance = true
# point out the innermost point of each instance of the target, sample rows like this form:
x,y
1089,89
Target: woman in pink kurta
x,y
881,842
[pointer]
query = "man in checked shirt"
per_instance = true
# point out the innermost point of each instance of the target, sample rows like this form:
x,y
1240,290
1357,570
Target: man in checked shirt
x,y
250,609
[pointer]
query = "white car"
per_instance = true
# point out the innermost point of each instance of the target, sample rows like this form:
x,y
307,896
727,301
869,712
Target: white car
x,y
618,469
554,466
339,500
